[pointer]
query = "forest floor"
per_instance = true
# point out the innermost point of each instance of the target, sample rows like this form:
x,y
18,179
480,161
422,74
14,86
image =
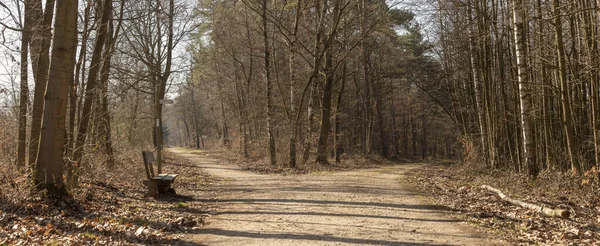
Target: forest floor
x,y
224,201
459,188
107,208
361,207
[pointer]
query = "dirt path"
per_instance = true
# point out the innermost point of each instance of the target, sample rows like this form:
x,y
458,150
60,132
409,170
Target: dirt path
x,y
367,207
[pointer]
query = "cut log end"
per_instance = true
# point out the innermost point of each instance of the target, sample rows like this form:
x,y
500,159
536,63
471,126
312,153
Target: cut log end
x,y
559,213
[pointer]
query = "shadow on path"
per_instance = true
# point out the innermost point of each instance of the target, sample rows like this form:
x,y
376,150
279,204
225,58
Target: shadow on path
x,y
311,237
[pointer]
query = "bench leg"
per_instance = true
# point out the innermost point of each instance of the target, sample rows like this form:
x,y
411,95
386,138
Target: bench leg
x,y
166,189
152,189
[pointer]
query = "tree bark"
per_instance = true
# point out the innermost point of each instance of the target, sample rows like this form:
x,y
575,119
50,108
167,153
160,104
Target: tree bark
x,y
567,120
49,164
79,67
477,84
105,131
271,138
527,140
560,213
24,89
40,56
90,93
368,114
337,145
292,66
326,109
162,87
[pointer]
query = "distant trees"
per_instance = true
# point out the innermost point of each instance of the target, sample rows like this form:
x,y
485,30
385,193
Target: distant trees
x,y
306,81
537,70
343,80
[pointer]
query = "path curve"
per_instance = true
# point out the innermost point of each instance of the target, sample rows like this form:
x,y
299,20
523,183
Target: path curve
x,y
366,207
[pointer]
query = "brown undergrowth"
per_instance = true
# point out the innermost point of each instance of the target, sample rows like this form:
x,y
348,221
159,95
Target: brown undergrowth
x,y
262,165
107,208
459,187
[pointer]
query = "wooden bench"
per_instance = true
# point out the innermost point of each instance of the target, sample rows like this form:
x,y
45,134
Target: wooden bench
x,y
157,184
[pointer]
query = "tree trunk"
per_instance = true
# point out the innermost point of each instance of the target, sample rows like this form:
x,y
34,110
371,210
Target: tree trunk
x,y
40,56
104,125
380,120
423,138
567,120
271,138
527,140
24,90
79,67
49,164
224,128
90,94
477,84
325,128
162,87
337,146
560,213
292,66
368,118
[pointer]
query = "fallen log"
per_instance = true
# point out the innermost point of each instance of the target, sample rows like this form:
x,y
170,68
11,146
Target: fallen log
x,y
552,212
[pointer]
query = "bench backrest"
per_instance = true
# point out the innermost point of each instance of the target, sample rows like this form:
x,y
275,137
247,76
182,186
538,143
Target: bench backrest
x,y
148,157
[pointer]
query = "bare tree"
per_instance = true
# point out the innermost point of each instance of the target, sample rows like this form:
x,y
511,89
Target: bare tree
x,y
49,164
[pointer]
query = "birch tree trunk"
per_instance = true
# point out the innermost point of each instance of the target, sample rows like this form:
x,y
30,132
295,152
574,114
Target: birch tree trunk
x,y
529,158
271,138
292,61
477,84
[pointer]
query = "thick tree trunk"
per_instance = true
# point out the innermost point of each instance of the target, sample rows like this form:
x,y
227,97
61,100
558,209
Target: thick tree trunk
x,y
40,56
325,128
49,164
